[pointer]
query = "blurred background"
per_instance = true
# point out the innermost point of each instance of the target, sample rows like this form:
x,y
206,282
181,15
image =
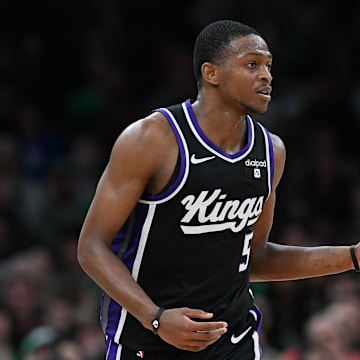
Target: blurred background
x,y
73,74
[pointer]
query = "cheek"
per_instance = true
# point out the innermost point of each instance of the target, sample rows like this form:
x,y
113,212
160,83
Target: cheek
x,y
239,86
236,81
238,78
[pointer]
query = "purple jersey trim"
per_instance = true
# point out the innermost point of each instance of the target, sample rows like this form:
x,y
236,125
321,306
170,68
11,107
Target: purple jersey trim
x,y
182,171
271,155
110,310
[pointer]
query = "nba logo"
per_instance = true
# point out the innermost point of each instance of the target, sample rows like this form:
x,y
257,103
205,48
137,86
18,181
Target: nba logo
x,y
257,173
140,354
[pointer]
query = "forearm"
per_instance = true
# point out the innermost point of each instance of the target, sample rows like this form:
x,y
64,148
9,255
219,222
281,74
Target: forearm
x,y
281,262
116,280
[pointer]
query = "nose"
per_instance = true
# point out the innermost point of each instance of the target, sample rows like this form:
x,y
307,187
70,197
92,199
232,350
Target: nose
x,y
265,74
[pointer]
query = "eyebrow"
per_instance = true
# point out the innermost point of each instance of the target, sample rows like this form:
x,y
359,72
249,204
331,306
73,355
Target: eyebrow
x,y
258,53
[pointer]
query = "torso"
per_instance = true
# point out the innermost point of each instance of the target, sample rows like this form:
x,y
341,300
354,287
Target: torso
x,y
201,223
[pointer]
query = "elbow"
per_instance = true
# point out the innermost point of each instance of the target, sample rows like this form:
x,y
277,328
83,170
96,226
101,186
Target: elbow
x,y
90,251
84,255
81,258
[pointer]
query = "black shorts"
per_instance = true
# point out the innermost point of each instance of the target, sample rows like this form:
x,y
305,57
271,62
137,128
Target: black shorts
x,y
236,344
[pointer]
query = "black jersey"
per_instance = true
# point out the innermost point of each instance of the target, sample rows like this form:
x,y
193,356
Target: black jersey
x,y
190,244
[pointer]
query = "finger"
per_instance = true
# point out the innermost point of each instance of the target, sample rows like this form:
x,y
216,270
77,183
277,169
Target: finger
x,y
210,326
209,335
198,314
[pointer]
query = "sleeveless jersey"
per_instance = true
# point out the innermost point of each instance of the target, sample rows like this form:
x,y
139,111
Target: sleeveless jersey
x,y
190,244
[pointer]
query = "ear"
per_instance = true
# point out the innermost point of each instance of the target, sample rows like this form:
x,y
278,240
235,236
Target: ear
x,y
210,73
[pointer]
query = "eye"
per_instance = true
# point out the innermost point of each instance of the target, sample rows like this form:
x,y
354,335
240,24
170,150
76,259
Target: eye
x,y
251,64
269,66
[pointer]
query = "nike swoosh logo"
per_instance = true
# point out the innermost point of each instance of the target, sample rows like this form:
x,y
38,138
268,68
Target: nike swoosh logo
x,y
236,339
194,160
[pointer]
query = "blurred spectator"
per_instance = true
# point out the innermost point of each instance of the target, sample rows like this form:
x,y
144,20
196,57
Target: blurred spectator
x,y
328,339
59,314
37,345
21,300
68,350
90,338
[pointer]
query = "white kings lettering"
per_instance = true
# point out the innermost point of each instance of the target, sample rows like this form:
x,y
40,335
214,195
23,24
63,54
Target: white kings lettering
x,y
215,213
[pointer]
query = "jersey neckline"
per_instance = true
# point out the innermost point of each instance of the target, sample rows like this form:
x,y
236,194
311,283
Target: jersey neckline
x,y
204,140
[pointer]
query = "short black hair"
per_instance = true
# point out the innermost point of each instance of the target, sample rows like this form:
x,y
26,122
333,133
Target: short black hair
x,y
214,39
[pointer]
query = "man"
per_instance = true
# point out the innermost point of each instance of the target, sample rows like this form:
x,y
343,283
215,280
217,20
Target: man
x,y
179,223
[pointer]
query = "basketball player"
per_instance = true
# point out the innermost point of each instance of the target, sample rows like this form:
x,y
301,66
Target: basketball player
x,y
179,223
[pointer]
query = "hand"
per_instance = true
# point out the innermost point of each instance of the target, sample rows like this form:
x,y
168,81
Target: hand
x,y
179,328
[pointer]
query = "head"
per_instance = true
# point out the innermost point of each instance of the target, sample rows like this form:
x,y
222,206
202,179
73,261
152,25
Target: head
x,y
234,58
214,41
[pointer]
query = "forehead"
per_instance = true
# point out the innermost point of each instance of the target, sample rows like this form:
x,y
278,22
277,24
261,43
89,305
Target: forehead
x,y
250,45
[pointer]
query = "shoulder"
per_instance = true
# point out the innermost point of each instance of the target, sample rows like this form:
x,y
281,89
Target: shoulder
x,y
146,141
148,136
148,129
278,145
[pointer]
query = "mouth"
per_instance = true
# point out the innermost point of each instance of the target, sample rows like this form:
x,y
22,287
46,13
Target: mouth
x,y
265,92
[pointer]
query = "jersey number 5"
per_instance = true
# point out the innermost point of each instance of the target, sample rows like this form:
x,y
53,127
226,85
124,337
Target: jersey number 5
x,y
246,252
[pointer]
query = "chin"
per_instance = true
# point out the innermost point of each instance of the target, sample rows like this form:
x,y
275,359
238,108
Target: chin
x,y
261,109
257,111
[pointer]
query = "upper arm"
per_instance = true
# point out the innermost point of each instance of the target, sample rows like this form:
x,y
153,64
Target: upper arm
x,y
131,167
263,225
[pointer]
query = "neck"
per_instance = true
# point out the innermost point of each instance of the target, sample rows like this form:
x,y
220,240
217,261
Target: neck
x,y
225,129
